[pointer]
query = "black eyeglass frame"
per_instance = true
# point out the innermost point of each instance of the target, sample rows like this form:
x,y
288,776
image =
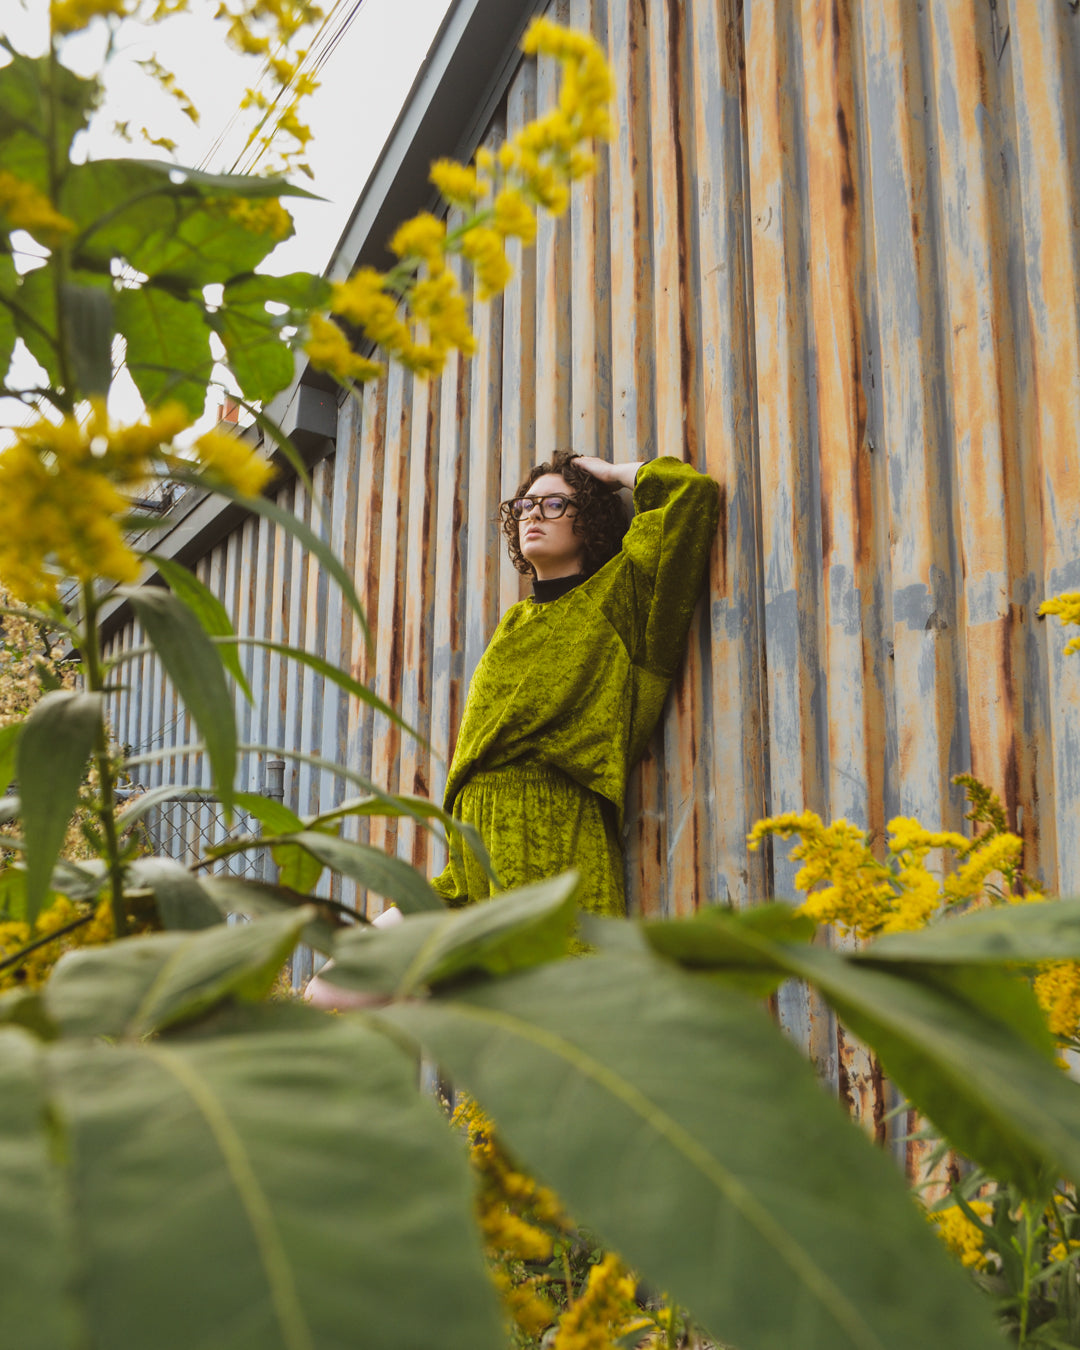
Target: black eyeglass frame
x,y
567,499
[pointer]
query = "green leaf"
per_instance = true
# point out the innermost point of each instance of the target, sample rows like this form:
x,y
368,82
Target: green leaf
x,y
298,869
8,334
994,1097
42,107
301,292
281,1187
144,984
1005,933
196,182
677,1123
736,941
23,1007
306,537
255,351
206,607
370,867
58,737
333,673
241,895
168,346
117,204
89,314
180,899
35,1240
963,1043
9,743
520,929
13,893
35,320
194,667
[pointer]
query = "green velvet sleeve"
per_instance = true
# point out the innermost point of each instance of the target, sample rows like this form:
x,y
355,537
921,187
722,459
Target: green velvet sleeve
x,y
668,544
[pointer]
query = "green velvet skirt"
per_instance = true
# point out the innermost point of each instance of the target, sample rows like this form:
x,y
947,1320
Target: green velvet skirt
x,y
536,822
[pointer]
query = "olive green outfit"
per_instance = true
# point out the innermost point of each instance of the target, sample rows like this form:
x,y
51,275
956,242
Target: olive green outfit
x,y
564,699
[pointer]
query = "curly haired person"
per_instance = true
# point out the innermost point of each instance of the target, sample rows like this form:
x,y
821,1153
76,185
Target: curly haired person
x,y
565,698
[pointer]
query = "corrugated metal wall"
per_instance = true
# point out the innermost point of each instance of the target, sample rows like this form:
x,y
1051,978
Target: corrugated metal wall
x,y
831,258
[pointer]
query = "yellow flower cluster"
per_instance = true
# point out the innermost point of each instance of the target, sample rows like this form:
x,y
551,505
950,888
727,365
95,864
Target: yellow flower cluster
x,y
868,897
227,460
262,216
35,969
501,190
592,1321
63,489
329,350
71,16
1067,609
960,1235
1057,987
25,208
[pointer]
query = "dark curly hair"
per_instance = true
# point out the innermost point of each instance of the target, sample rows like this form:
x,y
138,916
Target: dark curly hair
x,y
599,518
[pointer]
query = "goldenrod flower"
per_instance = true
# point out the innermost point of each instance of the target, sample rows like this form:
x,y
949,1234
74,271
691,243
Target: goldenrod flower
x,y
264,215
422,237
484,249
71,16
960,1235
35,970
328,349
1057,987
1067,609
592,1322
458,183
229,460
25,208
363,302
514,217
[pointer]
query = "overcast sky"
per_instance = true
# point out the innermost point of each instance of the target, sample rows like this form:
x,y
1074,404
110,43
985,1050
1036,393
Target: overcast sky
x,y
364,82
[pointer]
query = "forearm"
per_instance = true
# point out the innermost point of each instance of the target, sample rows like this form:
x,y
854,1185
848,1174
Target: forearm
x,y
625,475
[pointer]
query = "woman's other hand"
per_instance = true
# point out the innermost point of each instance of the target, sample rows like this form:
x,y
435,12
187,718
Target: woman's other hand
x,y
617,475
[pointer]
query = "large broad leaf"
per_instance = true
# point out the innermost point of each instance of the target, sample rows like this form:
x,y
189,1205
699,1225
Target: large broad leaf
x,y
282,1187
178,895
58,737
209,240
965,1043
240,895
168,345
255,350
89,313
676,1122
299,292
195,668
207,608
35,320
1005,933
143,984
369,867
9,740
35,1236
517,930
117,204
42,106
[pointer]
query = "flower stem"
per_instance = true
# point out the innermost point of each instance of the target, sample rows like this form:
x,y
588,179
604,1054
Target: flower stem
x,y
1025,1292
95,681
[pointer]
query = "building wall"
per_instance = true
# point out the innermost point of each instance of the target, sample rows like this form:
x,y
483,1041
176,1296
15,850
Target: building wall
x,y
831,257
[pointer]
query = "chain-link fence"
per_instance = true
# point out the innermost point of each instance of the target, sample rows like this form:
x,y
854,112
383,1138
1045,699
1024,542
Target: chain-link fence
x,y
187,825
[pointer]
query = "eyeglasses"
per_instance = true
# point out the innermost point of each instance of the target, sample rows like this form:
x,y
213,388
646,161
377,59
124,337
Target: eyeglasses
x,y
552,505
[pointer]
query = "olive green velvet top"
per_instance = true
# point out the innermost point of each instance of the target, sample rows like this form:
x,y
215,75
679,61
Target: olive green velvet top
x,y
577,684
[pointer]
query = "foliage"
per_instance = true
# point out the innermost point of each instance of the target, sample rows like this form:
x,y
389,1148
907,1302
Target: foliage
x,y
186,1160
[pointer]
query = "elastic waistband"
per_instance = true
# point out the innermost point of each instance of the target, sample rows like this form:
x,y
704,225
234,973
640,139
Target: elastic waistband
x,y
512,774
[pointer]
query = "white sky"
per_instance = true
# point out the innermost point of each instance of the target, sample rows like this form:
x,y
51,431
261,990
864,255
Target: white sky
x,y
364,82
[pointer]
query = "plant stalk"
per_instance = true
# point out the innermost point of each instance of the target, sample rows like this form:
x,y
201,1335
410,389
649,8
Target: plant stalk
x,y
95,679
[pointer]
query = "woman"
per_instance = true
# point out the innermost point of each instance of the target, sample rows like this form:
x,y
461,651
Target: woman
x,y
565,697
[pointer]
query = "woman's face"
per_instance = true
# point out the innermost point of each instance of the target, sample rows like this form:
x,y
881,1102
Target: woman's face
x,y
551,545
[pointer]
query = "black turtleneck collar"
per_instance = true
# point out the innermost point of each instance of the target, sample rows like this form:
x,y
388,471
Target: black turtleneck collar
x,y
543,591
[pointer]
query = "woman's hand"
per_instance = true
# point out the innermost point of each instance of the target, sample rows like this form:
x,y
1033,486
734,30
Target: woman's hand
x,y
617,475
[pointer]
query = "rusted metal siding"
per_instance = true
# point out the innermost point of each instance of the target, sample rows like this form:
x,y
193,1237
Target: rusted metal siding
x,y
831,257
